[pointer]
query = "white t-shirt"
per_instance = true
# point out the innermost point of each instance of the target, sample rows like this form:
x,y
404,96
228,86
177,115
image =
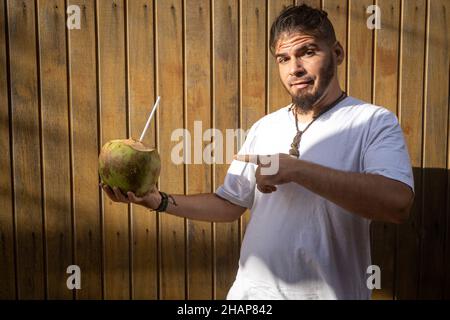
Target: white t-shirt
x,y
298,245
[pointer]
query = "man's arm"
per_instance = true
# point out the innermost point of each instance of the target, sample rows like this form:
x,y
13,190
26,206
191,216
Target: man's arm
x,y
371,196
205,207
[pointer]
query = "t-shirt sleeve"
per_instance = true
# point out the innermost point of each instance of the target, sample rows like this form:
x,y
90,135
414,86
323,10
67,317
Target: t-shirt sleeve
x,y
239,183
385,152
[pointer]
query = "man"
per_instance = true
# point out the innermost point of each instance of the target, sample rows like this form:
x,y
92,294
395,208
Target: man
x,y
308,236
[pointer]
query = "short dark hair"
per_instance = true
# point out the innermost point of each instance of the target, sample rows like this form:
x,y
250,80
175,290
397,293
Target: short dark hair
x,y
305,19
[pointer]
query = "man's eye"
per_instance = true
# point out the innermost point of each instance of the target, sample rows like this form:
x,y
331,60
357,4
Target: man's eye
x,y
282,59
310,53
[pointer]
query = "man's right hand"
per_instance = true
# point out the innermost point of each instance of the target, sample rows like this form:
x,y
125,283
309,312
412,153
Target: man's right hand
x,y
151,199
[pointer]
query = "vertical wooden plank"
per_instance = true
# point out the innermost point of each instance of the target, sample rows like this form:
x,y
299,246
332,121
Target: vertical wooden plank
x,y
277,96
447,244
198,108
55,146
85,147
359,62
385,94
253,84
447,235
26,149
386,56
7,263
142,98
431,283
226,115
113,126
170,87
337,13
360,38
411,116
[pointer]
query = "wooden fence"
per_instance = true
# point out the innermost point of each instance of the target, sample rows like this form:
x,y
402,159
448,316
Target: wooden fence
x,y
63,93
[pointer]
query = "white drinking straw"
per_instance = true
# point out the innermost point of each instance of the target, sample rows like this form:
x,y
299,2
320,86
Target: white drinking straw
x,y
149,119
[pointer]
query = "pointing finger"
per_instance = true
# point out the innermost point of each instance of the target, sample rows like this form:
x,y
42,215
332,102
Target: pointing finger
x,y
260,160
250,158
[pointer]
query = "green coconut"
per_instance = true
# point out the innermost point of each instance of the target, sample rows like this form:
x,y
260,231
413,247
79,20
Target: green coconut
x,y
129,165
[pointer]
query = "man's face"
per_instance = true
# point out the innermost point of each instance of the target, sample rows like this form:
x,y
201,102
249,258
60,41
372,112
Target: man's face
x,y
307,67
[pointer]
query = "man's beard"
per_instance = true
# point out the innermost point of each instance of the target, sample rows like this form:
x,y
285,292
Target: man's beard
x,y
305,102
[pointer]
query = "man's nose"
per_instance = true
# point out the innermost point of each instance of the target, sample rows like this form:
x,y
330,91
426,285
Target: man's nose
x,y
296,68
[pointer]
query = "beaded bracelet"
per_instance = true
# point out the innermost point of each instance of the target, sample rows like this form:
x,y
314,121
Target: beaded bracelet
x,y
164,202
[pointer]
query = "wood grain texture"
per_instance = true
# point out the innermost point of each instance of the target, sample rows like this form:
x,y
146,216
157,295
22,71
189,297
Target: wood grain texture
x,y
113,106
64,93
253,74
7,260
171,87
226,116
385,87
26,152
337,13
431,284
141,94
85,131
411,116
55,146
198,120
360,41
277,95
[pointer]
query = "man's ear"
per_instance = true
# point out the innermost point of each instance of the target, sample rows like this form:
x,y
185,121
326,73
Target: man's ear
x,y
339,52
